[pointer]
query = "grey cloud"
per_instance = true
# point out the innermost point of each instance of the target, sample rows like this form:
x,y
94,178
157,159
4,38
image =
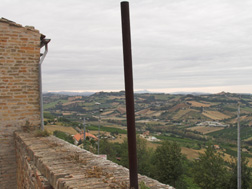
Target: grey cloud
x,y
175,43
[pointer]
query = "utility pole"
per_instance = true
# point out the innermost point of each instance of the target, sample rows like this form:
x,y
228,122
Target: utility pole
x,y
238,149
100,110
99,131
84,129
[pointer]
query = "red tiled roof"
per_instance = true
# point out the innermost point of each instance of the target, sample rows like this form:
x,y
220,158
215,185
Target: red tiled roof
x,y
79,136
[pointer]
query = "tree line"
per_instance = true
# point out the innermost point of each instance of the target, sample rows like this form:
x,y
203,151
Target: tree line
x,y
168,165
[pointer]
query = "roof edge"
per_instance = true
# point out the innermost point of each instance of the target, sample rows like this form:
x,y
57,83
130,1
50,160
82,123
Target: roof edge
x,y
12,23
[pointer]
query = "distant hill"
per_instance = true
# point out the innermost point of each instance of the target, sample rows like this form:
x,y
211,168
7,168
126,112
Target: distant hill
x,y
190,119
192,93
186,109
72,93
136,92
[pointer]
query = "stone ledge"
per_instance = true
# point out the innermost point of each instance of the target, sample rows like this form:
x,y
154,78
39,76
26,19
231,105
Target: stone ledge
x,y
67,166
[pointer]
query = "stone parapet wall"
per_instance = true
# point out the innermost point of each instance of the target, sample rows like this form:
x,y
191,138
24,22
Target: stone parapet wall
x,y
48,162
28,176
19,90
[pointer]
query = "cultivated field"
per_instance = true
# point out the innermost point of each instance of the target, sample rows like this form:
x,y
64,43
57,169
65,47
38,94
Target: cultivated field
x,y
72,102
145,112
234,120
181,113
215,115
178,106
108,112
116,97
121,109
114,118
204,129
157,113
199,104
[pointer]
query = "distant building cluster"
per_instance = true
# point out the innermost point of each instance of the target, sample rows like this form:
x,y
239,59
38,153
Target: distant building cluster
x,y
212,124
147,136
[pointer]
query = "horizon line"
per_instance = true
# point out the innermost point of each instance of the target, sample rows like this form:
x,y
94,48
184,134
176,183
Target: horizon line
x,y
241,89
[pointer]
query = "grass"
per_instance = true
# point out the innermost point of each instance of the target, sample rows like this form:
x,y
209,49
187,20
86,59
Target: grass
x,y
142,185
40,133
52,128
186,142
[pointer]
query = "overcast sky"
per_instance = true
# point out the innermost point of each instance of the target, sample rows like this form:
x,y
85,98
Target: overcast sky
x,y
177,45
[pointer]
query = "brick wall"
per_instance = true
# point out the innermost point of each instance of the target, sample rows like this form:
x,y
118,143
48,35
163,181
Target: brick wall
x,y
19,91
48,162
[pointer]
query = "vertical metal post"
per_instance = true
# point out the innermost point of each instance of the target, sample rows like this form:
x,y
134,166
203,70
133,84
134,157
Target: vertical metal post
x,y
46,41
238,149
84,129
99,109
41,98
43,42
99,131
129,94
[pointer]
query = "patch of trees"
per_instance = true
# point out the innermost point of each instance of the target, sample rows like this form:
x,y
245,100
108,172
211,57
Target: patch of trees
x,y
168,163
64,136
211,171
89,144
91,118
118,122
63,119
164,164
149,99
76,108
48,115
169,166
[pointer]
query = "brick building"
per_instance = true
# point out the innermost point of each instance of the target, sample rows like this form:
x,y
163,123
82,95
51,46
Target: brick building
x,y
19,90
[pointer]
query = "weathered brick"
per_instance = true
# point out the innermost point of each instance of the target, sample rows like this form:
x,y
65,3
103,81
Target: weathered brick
x,y
19,55
41,166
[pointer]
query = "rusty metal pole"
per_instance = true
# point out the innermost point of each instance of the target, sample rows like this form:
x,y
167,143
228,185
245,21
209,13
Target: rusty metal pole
x,y
129,94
